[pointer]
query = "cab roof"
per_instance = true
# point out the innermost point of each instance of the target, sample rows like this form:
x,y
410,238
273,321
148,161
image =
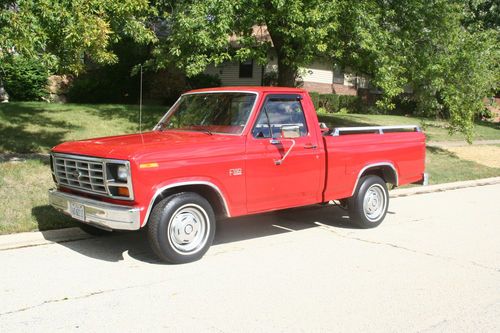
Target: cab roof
x,y
257,89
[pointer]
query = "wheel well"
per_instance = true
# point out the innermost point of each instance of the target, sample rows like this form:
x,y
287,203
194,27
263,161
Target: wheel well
x,y
206,191
386,172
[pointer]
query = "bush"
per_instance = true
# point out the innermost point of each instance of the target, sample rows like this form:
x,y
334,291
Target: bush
x,y
484,114
270,78
113,83
203,81
405,105
333,103
24,79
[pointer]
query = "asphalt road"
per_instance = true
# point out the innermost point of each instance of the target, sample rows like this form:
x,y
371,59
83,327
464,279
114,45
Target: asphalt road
x,y
433,265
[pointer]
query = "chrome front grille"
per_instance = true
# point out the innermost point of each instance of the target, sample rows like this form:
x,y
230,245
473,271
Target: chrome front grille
x,y
92,175
80,173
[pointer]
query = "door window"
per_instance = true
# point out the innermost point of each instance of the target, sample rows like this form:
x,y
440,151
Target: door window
x,y
279,111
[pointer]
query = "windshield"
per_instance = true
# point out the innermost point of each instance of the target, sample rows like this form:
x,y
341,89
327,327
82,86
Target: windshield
x,y
225,112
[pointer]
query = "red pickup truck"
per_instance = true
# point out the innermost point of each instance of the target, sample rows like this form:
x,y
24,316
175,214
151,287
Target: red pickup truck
x,y
227,152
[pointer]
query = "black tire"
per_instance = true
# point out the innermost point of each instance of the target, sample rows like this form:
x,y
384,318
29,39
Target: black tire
x,y
95,231
368,212
181,228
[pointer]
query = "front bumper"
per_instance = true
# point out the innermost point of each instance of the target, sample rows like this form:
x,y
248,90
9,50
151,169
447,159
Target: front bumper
x,y
101,214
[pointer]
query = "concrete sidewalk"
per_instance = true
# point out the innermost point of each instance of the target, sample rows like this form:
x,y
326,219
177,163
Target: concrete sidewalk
x,y
446,144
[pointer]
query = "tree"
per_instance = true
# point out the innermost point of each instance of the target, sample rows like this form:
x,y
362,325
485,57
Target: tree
x,y
199,33
429,47
60,33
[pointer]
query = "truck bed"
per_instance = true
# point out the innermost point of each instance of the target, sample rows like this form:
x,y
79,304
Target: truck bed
x,y
352,150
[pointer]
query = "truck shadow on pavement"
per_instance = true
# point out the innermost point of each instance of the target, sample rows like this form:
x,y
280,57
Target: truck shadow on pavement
x,y
118,245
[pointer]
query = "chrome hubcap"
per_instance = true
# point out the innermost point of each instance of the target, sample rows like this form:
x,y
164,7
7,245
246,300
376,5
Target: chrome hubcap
x,y
374,203
188,229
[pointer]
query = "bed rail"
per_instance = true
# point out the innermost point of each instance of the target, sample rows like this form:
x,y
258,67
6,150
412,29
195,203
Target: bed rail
x,y
374,129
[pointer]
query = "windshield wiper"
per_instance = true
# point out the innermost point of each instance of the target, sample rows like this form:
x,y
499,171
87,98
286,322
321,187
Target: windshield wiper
x,y
161,126
200,128
206,130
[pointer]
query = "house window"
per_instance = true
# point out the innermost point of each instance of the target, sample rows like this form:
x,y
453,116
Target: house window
x,y
246,69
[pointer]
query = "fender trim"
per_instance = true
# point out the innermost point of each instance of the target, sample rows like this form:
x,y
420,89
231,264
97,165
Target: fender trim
x,y
375,165
173,185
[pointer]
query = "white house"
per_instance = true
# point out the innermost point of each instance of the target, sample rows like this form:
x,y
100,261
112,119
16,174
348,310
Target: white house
x,y
320,76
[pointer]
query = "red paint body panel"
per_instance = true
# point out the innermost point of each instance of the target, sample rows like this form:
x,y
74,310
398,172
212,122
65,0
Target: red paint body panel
x,y
307,176
349,154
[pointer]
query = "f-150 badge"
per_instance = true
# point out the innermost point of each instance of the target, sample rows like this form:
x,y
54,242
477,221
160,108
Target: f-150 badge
x,y
235,172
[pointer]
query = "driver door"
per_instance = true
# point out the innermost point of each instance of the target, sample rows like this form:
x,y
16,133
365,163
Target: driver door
x,y
296,181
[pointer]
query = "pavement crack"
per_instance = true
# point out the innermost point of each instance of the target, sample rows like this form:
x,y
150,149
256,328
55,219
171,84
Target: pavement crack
x,y
56,301
399,247
94,293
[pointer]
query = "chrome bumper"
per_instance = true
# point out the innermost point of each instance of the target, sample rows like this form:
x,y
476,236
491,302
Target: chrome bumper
x,y
100,214
424,180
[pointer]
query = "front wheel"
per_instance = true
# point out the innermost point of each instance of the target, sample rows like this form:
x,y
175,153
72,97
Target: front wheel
x,y
181,228
368,206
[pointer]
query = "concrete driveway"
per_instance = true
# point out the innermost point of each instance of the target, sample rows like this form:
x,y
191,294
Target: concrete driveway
x,y
433,265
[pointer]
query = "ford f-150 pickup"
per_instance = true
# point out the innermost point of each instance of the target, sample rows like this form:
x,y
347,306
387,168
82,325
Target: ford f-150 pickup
x,y
227,152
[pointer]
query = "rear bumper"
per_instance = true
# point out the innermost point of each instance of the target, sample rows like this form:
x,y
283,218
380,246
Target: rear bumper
x,y
101,214
425,179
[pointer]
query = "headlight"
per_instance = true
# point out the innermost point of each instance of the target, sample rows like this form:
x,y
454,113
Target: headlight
x,y
122,173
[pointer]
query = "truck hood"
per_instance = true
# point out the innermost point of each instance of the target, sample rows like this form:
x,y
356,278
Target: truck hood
x,y
155,144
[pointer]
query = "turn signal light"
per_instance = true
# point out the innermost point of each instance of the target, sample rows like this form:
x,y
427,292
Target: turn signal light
x,y
148,165
123,192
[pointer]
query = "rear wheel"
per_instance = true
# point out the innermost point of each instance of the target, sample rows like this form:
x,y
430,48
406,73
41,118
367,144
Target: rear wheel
x,y
181,228
368,206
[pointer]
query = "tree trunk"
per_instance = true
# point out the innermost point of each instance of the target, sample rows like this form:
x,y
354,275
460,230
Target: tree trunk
x,y
286,74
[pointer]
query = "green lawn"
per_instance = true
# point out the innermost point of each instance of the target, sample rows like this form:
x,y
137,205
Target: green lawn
x,y
445,167
37,126
435,130
27,129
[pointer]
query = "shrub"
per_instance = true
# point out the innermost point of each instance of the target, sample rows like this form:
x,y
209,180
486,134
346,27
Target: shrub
x,y
116,83
270,78
484,114
315,99
94,87
333,103
203,81
24,79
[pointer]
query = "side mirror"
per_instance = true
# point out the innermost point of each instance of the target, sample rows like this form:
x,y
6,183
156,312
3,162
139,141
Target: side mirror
x,y
290,131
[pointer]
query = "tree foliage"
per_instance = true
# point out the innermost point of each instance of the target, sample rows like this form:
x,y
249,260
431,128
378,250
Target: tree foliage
x,y
445,51
60,33
199,32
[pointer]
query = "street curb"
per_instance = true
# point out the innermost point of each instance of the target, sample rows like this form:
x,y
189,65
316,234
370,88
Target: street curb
x,y
26,239
403,192
36,238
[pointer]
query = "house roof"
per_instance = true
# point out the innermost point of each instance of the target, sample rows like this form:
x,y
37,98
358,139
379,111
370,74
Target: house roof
x,y
260,33
257,89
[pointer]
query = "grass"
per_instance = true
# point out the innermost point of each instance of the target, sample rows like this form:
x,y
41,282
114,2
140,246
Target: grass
x,y
23,197
28,130
435,130
444,166
35,127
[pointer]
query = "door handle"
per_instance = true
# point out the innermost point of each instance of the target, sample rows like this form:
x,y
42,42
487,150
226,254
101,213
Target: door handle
x,y
310,146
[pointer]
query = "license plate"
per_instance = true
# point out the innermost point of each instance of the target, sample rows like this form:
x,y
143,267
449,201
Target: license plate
x,y
77,211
